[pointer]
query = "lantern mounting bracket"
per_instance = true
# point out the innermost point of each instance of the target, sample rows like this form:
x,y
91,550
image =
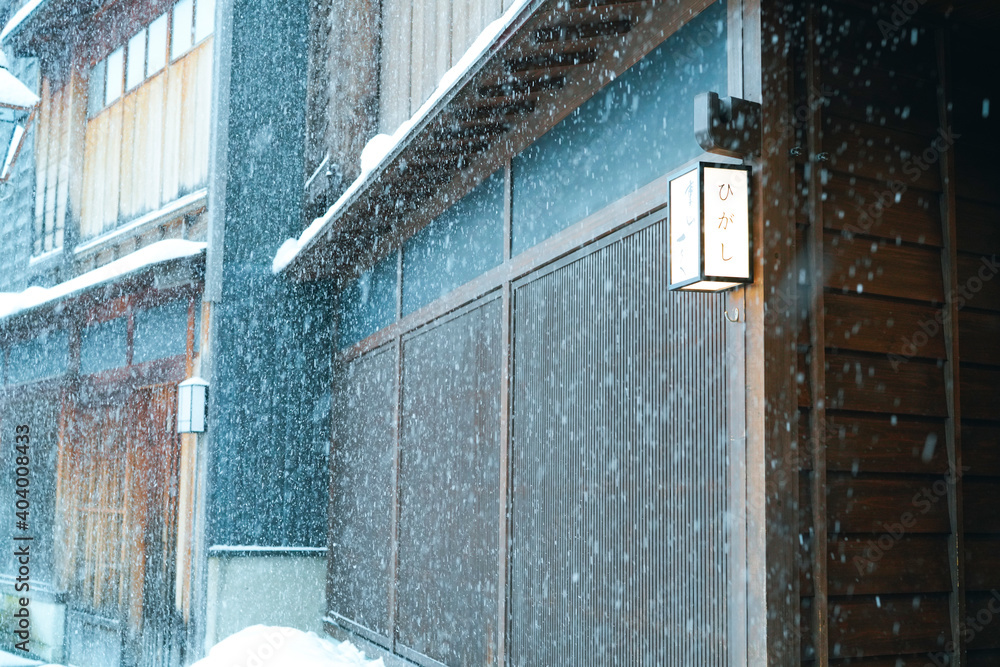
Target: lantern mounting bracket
x,y
727,125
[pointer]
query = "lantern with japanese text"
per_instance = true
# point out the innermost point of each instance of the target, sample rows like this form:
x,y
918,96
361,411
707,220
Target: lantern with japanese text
x,y
710,237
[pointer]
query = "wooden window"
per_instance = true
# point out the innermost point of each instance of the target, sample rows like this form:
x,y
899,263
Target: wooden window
x,y
158,38
39,358
369,302
183,23
204,19
103,346
115,76
95,88
136,70
160,332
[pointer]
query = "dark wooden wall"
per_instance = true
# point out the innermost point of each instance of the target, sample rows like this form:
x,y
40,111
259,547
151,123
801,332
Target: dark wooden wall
x,y
897,365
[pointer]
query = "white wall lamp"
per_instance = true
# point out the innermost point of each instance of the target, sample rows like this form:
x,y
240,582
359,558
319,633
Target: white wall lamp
x,y
192,405
710,235
17,109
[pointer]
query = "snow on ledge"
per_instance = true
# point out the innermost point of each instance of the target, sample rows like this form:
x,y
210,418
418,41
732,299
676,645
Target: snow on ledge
x,y
12,90
273,646
19,17
12,303
380,147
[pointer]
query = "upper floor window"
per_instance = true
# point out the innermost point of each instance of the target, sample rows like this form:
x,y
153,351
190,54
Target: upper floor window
x,y
144,55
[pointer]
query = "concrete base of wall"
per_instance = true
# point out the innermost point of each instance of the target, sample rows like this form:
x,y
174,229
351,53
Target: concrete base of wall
x,y
264,588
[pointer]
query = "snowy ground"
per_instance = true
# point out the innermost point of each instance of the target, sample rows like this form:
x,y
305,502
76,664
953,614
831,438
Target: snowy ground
x,y
262,646
269,646
12,660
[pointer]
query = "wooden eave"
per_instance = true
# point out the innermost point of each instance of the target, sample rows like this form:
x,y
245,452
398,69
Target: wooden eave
x,y
552,57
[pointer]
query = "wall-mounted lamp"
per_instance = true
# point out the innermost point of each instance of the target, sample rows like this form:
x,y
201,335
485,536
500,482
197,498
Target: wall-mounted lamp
x,y
192,405
17,109
710,236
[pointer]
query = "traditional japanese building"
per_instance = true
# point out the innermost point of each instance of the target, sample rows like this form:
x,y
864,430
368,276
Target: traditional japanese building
x,y
421,253
146,548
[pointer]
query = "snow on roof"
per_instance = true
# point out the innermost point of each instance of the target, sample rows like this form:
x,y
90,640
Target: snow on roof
x,y
19,17
15,93
283,647
380,148
12,303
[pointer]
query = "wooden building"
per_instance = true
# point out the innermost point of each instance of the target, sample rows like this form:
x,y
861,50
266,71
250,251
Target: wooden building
x,y
112,251
540,454
458,417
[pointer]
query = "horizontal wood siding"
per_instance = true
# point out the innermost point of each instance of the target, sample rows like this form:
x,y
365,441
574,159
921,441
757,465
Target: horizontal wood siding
x,y
877,409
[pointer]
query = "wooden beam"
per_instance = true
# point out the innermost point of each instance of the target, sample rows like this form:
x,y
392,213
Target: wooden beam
x,y
817,367
570,32
772,460
952,366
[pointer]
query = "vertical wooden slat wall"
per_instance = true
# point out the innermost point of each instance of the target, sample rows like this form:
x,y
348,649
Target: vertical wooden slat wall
x,y
421,40
897,372
149,147
59,121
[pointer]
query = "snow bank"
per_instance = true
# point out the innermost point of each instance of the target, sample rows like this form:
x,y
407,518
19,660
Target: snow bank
x,y
271,646
12,303
381,146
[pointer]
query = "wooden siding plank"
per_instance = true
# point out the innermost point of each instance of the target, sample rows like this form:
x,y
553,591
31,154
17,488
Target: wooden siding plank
x,y
203,114
64,157
113,165
394,100
882,154
866,444
885,326
867,504
878,384
129,172
153,154
172,131
861,206
888,563
189,121
53,144
888,624
864,266
41,161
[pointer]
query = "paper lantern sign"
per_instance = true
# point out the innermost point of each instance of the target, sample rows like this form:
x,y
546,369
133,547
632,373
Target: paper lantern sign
x,y
710,239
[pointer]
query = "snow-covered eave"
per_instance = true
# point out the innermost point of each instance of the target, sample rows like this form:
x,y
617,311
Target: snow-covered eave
x,y
19,19
17,304
483,50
